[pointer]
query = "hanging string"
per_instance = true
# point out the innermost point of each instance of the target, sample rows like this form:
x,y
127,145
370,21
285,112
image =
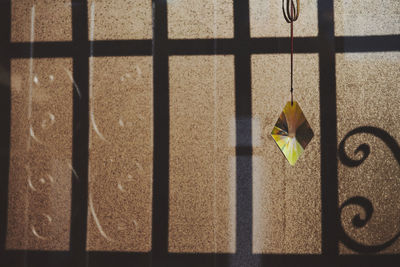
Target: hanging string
x,y
291,13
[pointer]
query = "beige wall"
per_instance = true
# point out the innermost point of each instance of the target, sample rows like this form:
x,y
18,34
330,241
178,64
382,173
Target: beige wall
x,y
40,154
202,172
202,154
368,95
120,154
286,199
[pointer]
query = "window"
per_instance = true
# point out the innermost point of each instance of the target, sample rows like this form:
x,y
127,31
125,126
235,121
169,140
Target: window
x,y
196,89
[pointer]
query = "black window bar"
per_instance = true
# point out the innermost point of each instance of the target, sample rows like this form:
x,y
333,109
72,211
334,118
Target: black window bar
x,y
242,46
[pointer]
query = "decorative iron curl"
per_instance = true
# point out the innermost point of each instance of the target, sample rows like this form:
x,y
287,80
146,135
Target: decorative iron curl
x,y
287,12
363,202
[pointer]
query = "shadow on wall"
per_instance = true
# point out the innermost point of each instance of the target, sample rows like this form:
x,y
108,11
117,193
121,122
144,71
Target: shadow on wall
x,y
363,202
164,48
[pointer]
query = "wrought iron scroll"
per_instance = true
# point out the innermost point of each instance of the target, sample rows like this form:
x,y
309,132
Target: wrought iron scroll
x,y
360,201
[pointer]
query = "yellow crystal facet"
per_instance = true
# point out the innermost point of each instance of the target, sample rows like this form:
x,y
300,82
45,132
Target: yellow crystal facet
x,y
291,132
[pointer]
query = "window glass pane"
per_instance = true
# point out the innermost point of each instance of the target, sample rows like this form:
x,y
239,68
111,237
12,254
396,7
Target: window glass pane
x,y
286,199
367,17
200,19
202,215
368,96
120,154
41,154
266,19
41,20
120,20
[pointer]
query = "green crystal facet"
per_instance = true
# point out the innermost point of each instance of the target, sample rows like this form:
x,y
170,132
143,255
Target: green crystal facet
x,y
291,132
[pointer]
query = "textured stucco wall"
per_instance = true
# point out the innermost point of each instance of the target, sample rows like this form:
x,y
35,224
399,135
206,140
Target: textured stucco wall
x,y
40,154
202,213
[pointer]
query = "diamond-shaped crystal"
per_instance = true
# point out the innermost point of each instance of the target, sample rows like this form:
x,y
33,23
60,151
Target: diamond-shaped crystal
x,y
292,133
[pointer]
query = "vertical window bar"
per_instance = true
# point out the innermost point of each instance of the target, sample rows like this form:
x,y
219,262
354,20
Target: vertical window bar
x,y
161,133
244,181
80,133
329,180
5,108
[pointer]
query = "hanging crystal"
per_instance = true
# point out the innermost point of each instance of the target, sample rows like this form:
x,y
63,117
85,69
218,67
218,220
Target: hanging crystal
x,y
292,133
